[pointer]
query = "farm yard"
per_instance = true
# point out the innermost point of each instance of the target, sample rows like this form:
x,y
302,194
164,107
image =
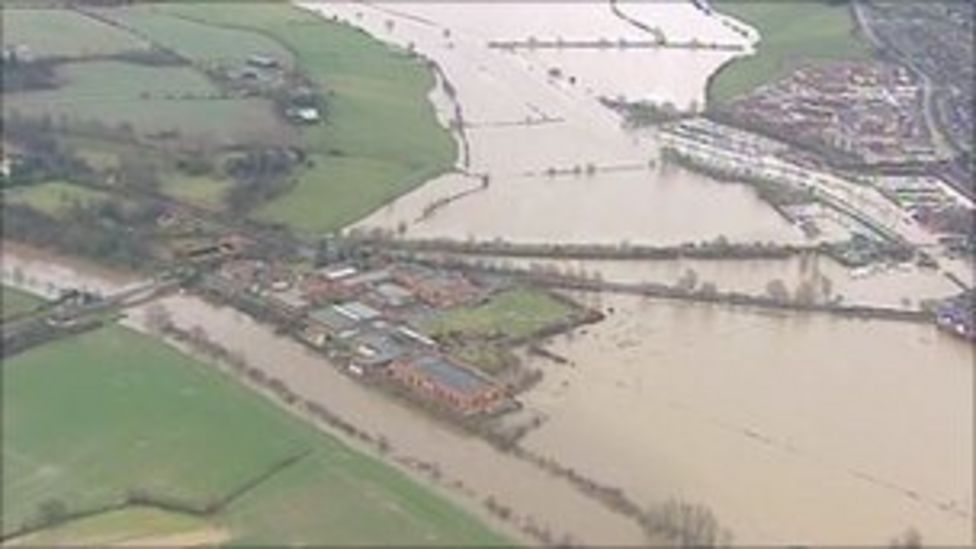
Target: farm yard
x,y
791,33
131,416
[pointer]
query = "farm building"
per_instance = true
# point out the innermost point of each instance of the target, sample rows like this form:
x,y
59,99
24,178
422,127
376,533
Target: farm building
x,y
437,288
327,323
374,349
357,311
456,386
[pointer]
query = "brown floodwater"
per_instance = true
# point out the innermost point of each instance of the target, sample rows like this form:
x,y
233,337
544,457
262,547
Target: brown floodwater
x,y
793,428
484,471
568,128
46,274
900,286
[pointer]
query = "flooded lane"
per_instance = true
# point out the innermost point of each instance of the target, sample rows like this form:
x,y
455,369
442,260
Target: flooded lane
x,y
793,428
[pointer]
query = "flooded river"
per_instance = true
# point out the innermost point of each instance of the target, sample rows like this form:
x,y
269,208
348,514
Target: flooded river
x,y
793,428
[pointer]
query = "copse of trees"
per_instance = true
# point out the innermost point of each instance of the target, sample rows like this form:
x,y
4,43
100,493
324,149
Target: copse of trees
x,y
259,174
45,157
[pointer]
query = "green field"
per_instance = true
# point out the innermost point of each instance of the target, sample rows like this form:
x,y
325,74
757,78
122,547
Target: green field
x,y
203,191
790,33
16,302
115,528
54,197
513,313
198,42
381,138
89,419
151,99
63,33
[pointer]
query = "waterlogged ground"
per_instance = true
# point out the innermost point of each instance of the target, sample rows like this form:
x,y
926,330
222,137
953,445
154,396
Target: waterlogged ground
x,y
793,428
522,120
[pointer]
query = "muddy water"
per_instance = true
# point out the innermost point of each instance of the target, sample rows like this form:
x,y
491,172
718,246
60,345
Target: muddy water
x,y
45,274
483,470
903,286
522,121
794,429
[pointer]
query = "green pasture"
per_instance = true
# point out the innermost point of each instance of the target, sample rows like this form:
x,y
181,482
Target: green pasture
x,y
514,313
90,419
791,33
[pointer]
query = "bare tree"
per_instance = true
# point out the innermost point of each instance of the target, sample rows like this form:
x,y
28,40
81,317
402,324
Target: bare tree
x,y
158,319
687,524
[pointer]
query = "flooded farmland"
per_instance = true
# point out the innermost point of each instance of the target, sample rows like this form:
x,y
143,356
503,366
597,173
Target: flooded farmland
x,y
793,428
537,132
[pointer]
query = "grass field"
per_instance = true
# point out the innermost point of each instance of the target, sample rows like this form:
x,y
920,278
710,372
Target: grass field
x,y
203,191
196,41
63,33
381,138
790,33
125,526
54,197
16,302
88,419
513,313
151,99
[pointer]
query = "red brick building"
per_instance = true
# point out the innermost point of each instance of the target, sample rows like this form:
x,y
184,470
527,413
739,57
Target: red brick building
x,y
460,388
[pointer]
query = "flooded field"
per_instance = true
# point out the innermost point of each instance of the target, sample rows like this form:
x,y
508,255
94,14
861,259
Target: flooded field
x,y
44,274
793,428
558,164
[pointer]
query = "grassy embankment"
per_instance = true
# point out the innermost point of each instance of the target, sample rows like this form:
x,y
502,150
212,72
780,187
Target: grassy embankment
x,y
15,302
90,420
380,140
791,33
